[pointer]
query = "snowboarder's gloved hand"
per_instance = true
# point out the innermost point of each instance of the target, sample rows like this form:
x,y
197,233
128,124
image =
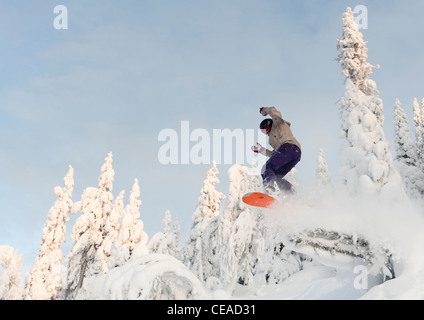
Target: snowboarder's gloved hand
x,y
262,112
259,149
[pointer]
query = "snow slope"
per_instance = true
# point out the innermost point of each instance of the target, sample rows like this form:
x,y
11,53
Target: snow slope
x,y
386,224
392,225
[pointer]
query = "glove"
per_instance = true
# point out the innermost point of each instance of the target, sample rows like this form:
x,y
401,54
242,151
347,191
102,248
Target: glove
x,y
259,149
262,112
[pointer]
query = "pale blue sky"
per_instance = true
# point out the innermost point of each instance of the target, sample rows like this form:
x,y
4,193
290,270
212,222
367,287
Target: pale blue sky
x,y
125,70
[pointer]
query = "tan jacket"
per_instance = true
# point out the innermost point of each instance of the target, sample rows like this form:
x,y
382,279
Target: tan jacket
x,y
280,131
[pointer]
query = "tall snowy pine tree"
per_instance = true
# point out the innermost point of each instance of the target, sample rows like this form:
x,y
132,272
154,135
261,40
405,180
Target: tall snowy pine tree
x,y
44,280
167,242
239,238
132,239
406,151
367,165
88,233
207,208
405,148
322,173
419,133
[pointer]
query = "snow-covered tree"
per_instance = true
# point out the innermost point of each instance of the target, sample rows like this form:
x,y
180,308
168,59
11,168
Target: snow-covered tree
x,y
366,161
405,148
44,280
323,185
322,173
353,55
353,60
211,249
88,233
239,239
132,239
232,208
176,250
78,258
419,133
367,165
112,226
99,264
167,242
11,287
207,208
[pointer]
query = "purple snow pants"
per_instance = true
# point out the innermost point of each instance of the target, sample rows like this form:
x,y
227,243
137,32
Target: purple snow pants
x,y
280,163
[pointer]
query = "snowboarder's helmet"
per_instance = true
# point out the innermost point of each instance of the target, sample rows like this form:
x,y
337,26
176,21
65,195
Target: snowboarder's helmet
x,y
266,126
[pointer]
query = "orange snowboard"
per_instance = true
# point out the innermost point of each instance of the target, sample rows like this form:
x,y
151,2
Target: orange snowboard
x,y
258,199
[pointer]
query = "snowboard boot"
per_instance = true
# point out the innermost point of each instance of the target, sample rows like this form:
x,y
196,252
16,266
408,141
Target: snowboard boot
x,y
287,190
272,189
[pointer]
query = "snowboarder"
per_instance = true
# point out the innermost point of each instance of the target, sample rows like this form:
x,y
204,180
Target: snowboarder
x,y
286,153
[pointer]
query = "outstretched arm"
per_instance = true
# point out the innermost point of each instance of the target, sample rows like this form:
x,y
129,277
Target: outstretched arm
x,y
272,112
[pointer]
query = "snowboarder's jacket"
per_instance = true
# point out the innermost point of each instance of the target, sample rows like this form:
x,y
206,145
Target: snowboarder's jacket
x,y
280,132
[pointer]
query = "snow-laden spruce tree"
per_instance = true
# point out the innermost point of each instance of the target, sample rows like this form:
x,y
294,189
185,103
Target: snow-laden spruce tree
x,y
405,147
11,287
98,265
167,242
161,241
419,133
44,280
366,163
207,208
322,173
112,226
210,246
239,238
175,249
132,239
323,186
85,259
353,55
406,151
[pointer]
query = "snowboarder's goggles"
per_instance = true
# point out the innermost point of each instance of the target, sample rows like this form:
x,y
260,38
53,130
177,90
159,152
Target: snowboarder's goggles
x,y
266,130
